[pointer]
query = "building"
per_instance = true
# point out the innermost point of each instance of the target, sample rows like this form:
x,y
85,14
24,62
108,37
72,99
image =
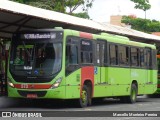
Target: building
x,y
156,33
116,20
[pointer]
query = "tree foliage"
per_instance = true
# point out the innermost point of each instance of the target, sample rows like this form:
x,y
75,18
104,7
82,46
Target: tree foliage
x,y
142,4
62,5
140,24
74,4
82,15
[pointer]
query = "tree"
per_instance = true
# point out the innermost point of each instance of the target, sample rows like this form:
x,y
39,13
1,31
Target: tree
x,y
82,15
20,1
62,5
74,4
142,4
140,24
45,4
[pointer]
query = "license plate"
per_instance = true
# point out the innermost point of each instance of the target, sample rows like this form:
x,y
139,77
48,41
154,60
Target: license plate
x,y
31,95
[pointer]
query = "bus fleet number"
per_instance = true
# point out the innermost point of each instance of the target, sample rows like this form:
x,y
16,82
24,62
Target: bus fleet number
x,y
24,85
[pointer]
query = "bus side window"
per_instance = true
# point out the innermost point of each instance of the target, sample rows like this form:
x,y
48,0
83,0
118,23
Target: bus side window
x,y
86,52
148,58
134,56
154,59
142,58
98,54
123,55
113,54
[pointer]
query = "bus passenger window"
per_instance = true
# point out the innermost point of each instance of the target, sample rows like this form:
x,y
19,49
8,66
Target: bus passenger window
x,y
113,55
98,53
154,60
104,60
134,57
123,55
86,51
149,60
86,57
142,60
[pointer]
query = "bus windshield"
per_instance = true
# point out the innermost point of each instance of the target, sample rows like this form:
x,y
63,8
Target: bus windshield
x,y
36,58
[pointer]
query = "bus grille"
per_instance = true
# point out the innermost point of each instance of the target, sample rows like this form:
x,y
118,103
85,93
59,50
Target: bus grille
x,y
38,93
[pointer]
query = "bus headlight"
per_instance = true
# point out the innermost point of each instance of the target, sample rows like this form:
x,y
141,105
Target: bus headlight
x,y
10,83
57,82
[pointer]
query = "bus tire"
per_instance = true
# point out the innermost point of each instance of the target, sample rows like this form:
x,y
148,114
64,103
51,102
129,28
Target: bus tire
x,y
84,97
133,94
90,96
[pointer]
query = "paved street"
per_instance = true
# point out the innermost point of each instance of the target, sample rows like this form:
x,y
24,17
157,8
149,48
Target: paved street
x,y
109,104
143,104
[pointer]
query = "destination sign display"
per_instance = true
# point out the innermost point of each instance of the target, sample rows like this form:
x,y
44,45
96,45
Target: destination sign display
x,y
86,45
39,36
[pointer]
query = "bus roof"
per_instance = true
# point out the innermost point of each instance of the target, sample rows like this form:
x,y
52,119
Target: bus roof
x,y
112,38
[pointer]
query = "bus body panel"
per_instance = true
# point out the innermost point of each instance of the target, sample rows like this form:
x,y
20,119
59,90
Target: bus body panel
x,y
73,85
151,84
57,93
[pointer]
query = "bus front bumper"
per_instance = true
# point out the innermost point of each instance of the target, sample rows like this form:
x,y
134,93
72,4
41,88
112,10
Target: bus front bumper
x,y
57,93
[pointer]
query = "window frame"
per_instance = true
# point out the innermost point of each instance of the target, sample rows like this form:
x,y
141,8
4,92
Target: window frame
x,y
142,66
69,68
138,55
103,53
116,54
149,64
127,59
87,51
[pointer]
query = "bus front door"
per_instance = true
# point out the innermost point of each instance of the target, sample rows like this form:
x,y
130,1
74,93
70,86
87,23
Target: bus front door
x,y
100,54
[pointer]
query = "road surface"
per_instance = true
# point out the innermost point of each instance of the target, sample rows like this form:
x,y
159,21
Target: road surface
x,y
99,110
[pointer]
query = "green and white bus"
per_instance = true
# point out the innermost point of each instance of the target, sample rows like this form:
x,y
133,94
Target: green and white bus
x,y
68,64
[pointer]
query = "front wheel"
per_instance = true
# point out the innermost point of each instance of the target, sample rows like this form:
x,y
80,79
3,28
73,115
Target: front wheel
x,y
84,97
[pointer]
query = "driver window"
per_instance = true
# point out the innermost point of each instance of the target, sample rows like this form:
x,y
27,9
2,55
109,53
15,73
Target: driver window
x,y
71,54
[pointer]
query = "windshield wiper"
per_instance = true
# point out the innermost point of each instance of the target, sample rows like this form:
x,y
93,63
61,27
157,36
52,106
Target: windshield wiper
x,y
26,49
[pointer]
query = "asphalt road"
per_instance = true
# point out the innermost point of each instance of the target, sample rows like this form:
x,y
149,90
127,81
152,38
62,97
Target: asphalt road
x,y
100,109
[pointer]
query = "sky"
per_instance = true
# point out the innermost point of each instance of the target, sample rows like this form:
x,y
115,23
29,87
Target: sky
x,y
103,9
